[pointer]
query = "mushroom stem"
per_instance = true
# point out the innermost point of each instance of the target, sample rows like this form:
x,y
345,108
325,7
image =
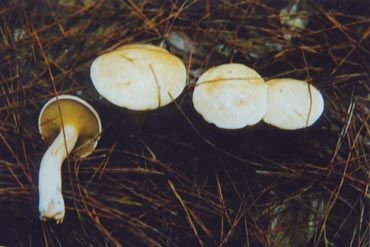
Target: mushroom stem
x,y
51,203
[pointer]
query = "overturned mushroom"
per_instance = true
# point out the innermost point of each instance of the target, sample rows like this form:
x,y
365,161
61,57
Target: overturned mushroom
x,y
139,77
231,96
292,104
73,126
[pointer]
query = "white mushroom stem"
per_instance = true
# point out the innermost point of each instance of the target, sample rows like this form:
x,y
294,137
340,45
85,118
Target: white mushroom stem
x,y
51,203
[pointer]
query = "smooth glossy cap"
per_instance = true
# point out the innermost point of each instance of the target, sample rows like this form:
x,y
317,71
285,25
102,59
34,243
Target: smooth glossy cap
x,y
76,112
138,76
292,104
231,96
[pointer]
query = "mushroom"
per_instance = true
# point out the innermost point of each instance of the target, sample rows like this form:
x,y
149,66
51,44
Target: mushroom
x,y
292,104
139,76
231,96
71,124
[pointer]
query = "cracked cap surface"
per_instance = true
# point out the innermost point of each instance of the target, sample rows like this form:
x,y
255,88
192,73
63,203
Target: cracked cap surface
x,y
292,104
139,76
231,96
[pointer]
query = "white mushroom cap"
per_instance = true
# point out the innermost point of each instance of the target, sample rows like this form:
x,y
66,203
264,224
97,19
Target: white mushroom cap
x,y
231,96
292,104
139,77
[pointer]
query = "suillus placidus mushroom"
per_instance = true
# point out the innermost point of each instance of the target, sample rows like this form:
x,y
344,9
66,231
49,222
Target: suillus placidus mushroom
x,y
292,104
231,96
139,76
73,127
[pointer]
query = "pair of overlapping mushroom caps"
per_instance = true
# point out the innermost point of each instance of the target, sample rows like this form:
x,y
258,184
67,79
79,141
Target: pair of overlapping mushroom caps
x,y
146,77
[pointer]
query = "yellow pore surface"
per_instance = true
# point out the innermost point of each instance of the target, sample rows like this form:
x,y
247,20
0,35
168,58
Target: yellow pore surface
x,y
72,113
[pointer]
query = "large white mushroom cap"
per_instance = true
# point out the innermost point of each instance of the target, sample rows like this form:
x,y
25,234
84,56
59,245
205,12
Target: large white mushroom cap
x,y
292,104
139,77
231,96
